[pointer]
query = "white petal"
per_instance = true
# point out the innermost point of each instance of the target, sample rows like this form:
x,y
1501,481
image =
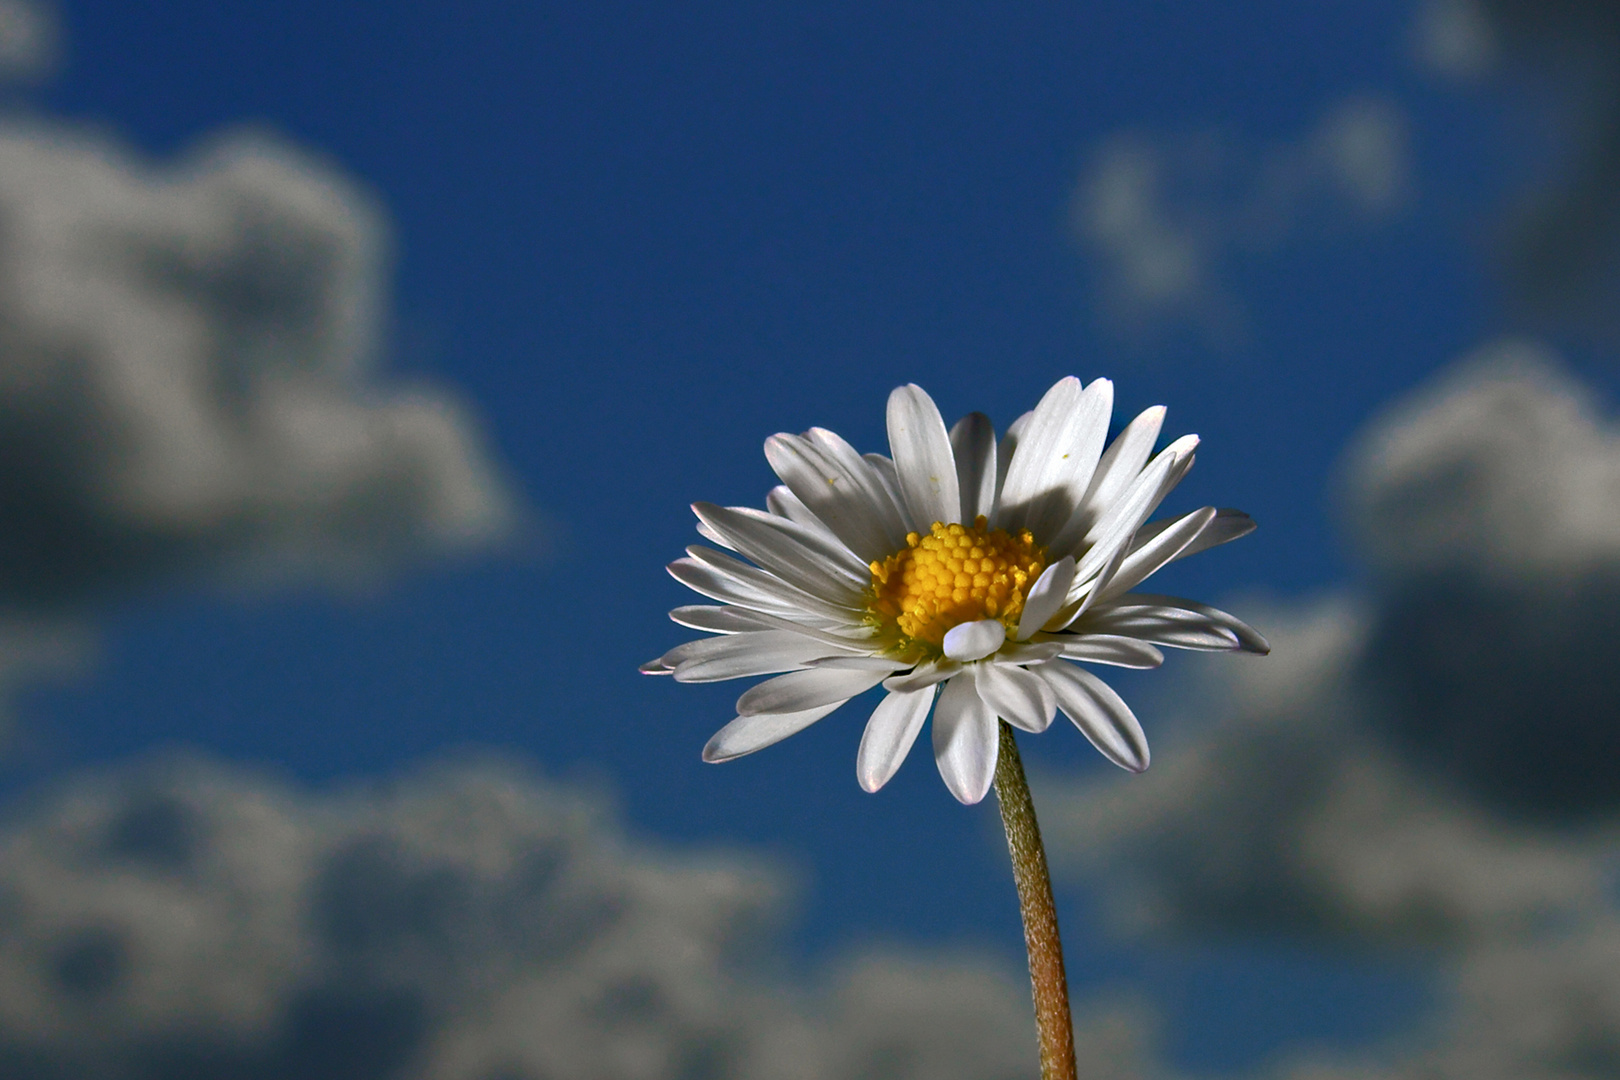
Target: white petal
x,y
734,656
1004,456
878,479
965,739
738,665
746,734
840,491
889,734
732,581
925,674
884,470
1145,557
736,620
1122,520
1173,621
747,524
1019,697
1121,463
656,667
1048,593
800,556
845,662
719,585
713,537
781,501
922,457
1115,649
800,690
1227,526
1100,714
1084,594
974,640
1051,470
722,619
731,619
1027,652
973,442
742,642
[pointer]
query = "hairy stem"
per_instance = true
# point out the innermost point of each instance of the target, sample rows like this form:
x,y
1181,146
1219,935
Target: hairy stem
x,y
1053,1027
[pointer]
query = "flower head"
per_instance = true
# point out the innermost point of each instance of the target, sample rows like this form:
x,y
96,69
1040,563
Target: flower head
x,y
969,577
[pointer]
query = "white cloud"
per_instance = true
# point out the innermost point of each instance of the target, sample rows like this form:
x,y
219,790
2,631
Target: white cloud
x,y
1505,467
1164,219
186,919
188,378
190,388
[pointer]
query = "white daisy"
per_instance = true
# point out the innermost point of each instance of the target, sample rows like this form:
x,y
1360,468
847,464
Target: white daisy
x,y
962,574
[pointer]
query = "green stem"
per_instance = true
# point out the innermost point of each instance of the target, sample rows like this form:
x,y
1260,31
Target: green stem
x,y
1053,1027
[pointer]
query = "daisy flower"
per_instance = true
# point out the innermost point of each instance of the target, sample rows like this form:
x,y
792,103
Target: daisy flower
x,y
970,577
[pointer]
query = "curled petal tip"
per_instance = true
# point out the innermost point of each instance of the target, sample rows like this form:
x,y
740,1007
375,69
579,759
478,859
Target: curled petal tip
x,y
974,640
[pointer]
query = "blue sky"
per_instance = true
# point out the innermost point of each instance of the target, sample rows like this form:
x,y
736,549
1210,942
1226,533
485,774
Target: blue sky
x,y
638,239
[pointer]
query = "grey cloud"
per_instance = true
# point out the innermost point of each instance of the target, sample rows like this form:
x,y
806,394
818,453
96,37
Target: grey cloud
x,y
188,380
1541,1008
30,40
1163,218
1490,504
35,650
1559,241
1284,815
1431,762
184,919
1547,1008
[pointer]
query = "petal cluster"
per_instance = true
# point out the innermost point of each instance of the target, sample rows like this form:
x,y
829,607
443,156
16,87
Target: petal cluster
x,y
797,600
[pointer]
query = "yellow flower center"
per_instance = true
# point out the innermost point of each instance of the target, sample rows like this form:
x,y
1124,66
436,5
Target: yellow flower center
x,y
955,574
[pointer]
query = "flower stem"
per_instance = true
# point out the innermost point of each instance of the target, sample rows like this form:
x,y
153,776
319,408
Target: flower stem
x,y
1053,1026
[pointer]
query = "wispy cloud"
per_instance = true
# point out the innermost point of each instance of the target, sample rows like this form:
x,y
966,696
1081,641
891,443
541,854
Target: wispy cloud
x,y
1165,219
1454,39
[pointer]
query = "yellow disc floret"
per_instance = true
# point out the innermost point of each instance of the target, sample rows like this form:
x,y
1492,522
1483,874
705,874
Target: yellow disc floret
x,y
955,574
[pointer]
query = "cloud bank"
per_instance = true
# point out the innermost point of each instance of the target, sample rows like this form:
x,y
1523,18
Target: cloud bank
x,y
187,919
